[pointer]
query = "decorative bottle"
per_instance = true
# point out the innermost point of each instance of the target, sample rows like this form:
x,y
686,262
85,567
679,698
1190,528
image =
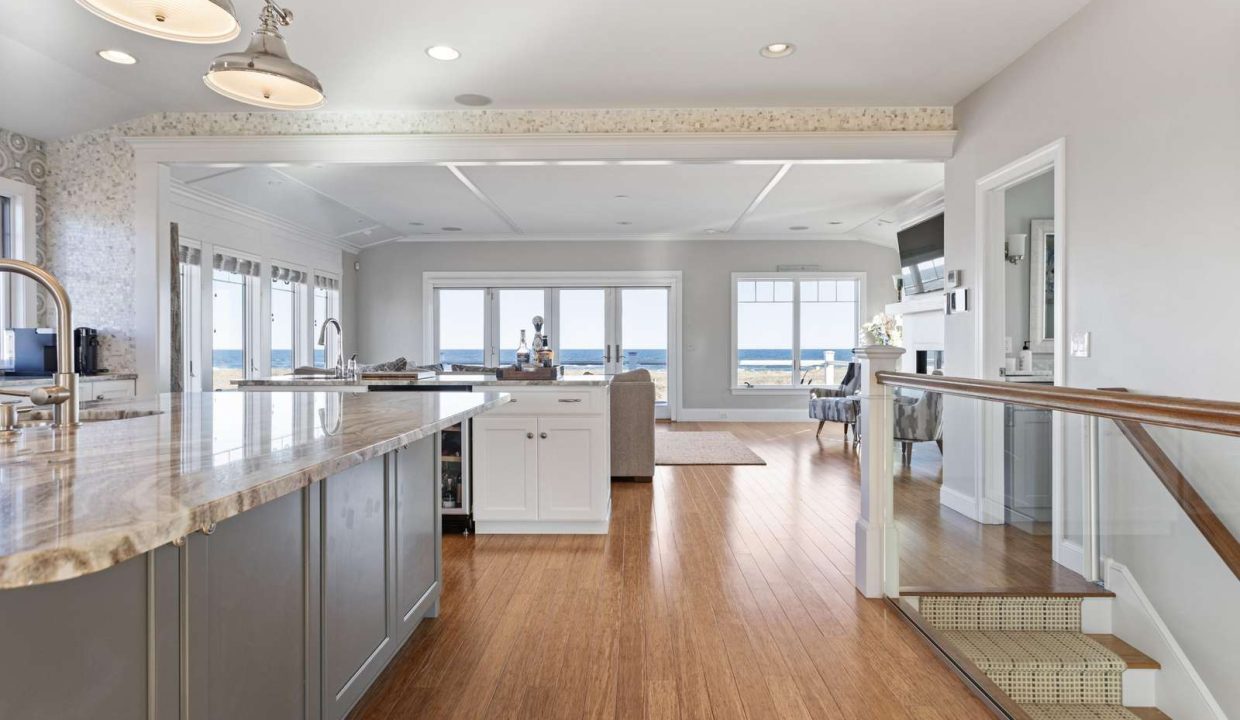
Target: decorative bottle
x,y
523,352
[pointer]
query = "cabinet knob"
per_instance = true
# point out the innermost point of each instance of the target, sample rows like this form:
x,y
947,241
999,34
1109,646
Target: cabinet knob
x,y
542,435
530,435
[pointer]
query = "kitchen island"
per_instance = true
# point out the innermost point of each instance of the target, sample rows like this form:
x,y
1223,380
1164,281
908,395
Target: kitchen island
x,y
218,555
539,465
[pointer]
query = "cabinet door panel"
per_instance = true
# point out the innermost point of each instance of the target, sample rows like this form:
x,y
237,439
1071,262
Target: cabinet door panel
x,y
416,527
572,470
355,582
505,468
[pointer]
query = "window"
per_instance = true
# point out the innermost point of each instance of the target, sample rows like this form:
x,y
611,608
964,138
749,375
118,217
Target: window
x,y
517,309
326,305
233,284
286,331
462,326
793,329
17,228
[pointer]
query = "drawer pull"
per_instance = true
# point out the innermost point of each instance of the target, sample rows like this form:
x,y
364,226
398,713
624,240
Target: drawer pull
x,y
542,435
529,435
570,400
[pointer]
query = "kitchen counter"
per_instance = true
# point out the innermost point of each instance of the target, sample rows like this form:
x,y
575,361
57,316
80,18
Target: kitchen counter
x,y
23,380
77,502
449,381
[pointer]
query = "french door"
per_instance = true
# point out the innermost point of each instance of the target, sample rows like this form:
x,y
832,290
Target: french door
x,y
593,330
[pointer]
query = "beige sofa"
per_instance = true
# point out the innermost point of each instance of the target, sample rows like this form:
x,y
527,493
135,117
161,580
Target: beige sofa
x,y
632,425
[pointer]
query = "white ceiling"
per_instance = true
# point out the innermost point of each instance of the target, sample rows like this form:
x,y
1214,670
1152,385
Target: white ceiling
x,y
534,54
365,205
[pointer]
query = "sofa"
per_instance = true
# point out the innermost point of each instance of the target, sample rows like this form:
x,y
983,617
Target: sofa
x,y
632,425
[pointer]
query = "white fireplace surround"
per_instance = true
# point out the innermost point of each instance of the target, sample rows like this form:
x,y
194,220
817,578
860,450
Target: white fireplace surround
x,y
924,320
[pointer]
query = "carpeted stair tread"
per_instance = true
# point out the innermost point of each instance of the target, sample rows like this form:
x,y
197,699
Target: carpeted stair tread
x,y
1044,667
1002,613
1078,712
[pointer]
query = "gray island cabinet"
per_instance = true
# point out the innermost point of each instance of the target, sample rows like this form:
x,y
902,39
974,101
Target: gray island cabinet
x,y
316,556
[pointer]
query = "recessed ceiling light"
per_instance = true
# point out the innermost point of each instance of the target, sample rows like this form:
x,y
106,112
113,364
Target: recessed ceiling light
x,y
799,227
836,222
443,52
416,224
120,57
451,229
622,197
623,222
472,100
777,50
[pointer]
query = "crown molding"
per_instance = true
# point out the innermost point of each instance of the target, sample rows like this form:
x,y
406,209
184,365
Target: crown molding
x,y
299,233
631,237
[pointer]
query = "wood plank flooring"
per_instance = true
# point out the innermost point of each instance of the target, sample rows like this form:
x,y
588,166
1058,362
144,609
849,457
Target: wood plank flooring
x,y
720,592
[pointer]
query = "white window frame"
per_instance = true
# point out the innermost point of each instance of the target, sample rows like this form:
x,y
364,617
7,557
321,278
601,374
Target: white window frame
x,y
255,306
20,306
335,303
795,371
193,317
551,281
303,303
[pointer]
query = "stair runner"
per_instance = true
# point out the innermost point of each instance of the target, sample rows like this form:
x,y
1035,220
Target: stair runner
x,y
1034,650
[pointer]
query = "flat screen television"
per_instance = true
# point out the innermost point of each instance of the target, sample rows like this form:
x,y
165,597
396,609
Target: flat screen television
x,y
921,256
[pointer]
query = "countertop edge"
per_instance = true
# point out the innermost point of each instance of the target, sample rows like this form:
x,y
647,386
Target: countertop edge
x,y
111,548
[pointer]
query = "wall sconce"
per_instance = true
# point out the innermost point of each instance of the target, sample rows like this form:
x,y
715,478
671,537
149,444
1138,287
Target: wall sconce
x,y
1014,248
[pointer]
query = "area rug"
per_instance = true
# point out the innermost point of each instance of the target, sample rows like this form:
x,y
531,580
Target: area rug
x,y
702,448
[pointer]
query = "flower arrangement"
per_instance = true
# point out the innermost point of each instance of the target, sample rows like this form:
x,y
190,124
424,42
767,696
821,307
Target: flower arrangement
x,y
884,329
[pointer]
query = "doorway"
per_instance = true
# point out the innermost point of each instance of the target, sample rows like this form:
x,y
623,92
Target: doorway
x,y
1011,468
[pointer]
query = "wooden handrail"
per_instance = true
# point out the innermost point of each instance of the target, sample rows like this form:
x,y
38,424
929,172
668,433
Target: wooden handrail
x,y
1189,500
1211,416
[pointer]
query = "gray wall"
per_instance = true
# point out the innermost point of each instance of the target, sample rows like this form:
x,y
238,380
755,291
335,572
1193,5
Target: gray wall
x,y
390,292
1031,200
348,303
1144,91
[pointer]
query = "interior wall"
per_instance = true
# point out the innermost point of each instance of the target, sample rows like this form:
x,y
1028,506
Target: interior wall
x,y
390,293
348,303
1031,200
1144,91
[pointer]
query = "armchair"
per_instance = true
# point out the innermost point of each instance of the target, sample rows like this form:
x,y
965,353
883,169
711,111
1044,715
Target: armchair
x,y
838,404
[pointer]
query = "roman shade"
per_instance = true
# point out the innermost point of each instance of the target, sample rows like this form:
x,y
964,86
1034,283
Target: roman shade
x,y
191,255
287,275
240,266
324,282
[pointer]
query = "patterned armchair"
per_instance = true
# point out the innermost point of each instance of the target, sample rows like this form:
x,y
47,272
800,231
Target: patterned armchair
x,y
838,404
918,419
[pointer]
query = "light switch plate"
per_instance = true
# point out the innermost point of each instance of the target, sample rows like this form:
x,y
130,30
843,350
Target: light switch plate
x,y
1080,344
953,279
1007,345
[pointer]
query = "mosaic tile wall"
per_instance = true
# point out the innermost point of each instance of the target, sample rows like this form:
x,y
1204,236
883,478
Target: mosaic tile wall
x,y
90,186
24,159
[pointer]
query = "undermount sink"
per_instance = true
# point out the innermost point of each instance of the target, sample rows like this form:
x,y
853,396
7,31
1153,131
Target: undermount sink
x,y
43,418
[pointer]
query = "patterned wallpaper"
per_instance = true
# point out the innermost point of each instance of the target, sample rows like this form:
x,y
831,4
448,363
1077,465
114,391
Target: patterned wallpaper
x,y
24,159
90,186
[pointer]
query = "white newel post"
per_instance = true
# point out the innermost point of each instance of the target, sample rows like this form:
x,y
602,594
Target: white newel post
x,y
877,552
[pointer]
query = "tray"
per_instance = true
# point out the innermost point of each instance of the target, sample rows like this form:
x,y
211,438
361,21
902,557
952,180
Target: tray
x,y
554,372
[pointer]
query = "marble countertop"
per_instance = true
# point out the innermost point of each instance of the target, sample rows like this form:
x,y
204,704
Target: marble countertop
x,y
77,501
452,380
47,379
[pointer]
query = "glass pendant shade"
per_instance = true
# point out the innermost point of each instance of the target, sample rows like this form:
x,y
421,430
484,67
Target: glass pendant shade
x,y
189,21
264,76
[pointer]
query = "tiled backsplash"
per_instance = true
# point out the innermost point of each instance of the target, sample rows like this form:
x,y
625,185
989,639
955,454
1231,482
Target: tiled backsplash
x,y
90,189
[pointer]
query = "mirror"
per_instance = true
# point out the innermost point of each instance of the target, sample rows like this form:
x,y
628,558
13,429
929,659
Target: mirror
x,y
1042,286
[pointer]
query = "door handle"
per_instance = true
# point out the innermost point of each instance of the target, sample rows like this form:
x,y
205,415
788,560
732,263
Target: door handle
x,y
542,435
529,435
607,357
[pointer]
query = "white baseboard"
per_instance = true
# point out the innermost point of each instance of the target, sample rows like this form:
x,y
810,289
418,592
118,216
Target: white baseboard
x,y
1181,691
1071,556
745,415
540,527
964,504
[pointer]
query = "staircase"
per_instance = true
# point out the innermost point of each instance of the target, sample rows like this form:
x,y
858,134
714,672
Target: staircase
x,y
1043,657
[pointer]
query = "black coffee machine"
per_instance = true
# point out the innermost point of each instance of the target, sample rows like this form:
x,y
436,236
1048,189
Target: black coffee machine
x,y
86,350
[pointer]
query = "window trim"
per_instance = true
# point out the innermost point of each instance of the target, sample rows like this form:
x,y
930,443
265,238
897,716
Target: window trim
x,y
796,277
24,199
335,306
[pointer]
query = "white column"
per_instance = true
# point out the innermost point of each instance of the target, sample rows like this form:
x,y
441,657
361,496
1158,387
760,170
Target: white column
x,y
877,561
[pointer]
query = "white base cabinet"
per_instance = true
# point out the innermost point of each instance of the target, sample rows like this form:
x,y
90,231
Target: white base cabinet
x,y
546,471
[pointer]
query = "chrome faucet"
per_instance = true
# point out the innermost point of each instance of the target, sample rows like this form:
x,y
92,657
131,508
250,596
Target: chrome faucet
x,y
63,392
339,343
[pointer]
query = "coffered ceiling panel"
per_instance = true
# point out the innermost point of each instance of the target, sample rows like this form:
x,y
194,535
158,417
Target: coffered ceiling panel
x,y
835,199
641,199
410,199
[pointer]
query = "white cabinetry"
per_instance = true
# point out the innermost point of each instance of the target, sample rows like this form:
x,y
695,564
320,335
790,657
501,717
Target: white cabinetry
x,y
542,464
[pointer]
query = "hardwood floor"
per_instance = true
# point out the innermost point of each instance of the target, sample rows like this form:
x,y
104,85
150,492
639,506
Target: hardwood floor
x,y
720,592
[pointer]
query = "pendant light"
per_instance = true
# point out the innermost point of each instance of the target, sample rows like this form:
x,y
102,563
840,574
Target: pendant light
x,y
189,21
263,75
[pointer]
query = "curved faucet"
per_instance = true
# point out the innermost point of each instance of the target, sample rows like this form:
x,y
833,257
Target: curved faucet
x,y
63,393
339,343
